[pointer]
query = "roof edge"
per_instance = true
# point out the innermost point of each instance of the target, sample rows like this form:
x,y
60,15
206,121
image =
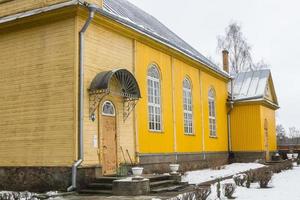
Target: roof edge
x,y
159,40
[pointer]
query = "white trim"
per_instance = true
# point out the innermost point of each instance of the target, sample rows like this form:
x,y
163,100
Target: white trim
x,y
107,114
212,113
37,11
155,104
187,107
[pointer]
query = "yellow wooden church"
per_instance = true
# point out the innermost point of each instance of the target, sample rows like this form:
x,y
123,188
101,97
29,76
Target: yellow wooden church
x,y
90,86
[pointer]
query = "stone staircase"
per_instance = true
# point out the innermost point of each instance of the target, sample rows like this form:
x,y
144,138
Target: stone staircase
x,y
158,184
100,186
165,183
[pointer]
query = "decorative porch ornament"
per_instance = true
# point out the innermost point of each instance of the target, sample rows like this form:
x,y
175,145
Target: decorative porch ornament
x,y
127,88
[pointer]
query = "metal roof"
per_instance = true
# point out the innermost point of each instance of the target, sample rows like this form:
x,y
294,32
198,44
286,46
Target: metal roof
x,y
250,85
129,14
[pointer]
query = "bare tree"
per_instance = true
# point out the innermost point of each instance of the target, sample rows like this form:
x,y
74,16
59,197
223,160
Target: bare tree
x,y
280,131
294,132
237,46
259,65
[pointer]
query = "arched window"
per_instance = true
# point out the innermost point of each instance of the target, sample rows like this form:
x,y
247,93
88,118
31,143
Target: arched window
x,y
108,109
154,99
212,113
187,106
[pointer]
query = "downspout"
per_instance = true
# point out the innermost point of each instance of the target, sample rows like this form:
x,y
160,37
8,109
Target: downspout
x,y
92,8
231,103
202,116
173,110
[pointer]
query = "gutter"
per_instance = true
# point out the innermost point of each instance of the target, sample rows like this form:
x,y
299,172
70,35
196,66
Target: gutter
x,y
37,11
124,22
92,8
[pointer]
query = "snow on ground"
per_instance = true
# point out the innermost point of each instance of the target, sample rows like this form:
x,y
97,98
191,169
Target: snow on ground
x,y
200,176
285,185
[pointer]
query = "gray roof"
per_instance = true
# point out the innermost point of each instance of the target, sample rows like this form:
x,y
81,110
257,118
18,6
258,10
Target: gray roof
x,y
134,17
251,84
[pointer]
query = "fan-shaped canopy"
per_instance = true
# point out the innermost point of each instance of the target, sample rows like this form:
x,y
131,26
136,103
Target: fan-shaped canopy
x,y
128,83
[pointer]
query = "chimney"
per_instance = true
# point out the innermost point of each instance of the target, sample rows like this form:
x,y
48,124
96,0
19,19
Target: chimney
x,y
225,61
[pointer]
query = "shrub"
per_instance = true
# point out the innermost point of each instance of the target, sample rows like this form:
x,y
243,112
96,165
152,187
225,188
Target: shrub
x,y
198,193
216,164
228,189
264,177
248,181
240,179
202,192
250,176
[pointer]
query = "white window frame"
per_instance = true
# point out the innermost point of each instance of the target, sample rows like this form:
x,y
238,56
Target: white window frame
x,y
108,114
212,113
154,100
187,107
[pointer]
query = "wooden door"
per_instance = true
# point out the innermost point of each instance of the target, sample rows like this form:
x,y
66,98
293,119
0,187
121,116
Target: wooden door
x,y
266,136
109,144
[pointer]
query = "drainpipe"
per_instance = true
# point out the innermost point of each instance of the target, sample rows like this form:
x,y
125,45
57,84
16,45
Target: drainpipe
x,y
231,102
92,8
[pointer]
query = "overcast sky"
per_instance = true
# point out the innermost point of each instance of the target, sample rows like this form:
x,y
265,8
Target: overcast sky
x,y
272,27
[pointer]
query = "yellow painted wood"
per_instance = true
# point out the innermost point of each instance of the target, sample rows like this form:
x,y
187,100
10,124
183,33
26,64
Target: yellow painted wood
x,y
185,142
163,142
149,141
220,143
37,89
106,50
246,128
38,111
269,115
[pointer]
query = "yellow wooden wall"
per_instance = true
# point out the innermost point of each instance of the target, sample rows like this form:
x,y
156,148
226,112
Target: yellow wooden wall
x,y
246,128
154,142
185,142
269,114
220,143
173,71
37,94
106,50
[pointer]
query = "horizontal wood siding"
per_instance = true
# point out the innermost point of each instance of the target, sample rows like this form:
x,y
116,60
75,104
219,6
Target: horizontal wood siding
x,y
37,95
106,50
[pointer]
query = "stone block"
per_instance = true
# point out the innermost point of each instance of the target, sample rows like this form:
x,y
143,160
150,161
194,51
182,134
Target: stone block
x,y
130,187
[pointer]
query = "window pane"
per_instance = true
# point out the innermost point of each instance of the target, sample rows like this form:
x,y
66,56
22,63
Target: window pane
x,y
212,112
154,109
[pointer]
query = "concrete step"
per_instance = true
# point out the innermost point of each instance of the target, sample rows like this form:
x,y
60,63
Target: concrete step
x,y
169,188
106,179
90,191
158,177
102,186
161,183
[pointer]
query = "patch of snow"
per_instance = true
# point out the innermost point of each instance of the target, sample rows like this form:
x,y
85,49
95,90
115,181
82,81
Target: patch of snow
x,y
200,176
284,185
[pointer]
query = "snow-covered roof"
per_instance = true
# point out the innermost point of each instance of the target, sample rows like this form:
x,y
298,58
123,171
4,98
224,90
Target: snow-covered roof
x,y
134,17
252,85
